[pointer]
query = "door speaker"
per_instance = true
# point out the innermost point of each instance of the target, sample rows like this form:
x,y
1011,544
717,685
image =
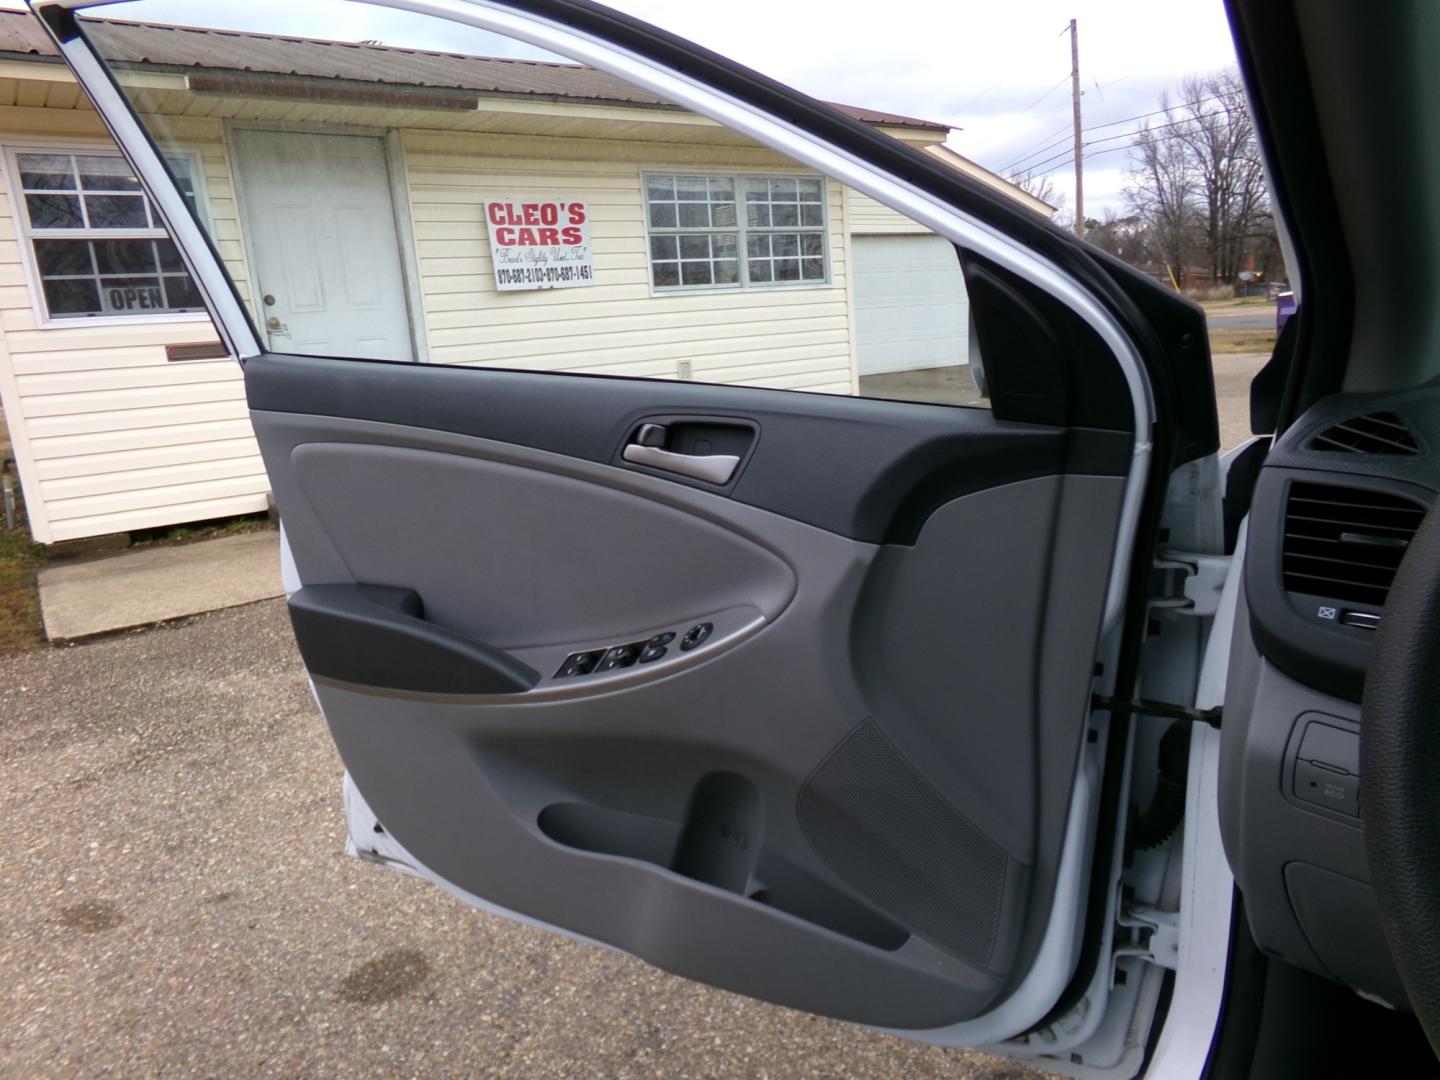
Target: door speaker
x,y
894,839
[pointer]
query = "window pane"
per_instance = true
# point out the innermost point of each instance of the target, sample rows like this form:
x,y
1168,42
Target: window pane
x,y
695,273
709,223
783,190
71,297
180,292
63,257
106,173
180,170
125,256
49,172
169,255
117,211
694,188
54,211
694,215
695,247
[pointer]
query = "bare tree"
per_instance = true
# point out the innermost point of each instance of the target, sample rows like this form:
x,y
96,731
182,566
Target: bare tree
x,y
1040,186
1197,183
1162,194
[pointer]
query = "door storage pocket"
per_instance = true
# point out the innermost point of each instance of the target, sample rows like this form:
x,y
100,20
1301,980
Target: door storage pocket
x,y
722,843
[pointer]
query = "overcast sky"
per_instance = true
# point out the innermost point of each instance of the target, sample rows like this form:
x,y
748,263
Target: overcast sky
x,y
995,70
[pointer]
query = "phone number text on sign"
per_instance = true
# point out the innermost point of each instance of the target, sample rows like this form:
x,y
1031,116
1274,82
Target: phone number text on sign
x,y
540,243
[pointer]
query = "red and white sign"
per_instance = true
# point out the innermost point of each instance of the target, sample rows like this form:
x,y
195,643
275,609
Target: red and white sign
x,y
540,243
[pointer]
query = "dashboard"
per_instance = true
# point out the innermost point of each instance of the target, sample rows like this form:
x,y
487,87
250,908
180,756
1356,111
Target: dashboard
x,y
1335,504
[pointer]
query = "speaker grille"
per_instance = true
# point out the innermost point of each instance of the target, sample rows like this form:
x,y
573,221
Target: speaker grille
x,y
899,843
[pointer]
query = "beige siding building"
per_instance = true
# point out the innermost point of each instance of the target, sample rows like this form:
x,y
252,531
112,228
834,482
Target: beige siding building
x,y
124,417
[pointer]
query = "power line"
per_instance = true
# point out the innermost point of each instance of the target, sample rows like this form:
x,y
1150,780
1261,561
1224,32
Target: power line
x,y
980,96
1098,127
1108,138
1069,160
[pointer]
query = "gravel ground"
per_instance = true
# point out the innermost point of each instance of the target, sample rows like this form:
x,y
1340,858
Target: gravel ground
x,y
174,901
1233,372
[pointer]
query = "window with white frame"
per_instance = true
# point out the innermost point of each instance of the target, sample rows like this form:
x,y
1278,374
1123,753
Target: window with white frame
x,y
698,239
97,244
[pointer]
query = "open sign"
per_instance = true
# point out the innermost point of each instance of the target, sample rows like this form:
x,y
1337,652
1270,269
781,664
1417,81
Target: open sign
x,y
540,243
131,297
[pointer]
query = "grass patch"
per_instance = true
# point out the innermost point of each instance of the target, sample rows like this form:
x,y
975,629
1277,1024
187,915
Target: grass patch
x,y
19,601
1241,341
200,530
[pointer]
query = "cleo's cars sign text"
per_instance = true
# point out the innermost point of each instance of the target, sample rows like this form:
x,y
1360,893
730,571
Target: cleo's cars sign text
x,y
540,243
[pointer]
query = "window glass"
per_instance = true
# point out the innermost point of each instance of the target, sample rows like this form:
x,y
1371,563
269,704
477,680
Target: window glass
x,y
421,191
98,246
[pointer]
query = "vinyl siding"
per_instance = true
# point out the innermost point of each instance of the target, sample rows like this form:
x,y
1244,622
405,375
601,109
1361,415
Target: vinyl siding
x,y
868,217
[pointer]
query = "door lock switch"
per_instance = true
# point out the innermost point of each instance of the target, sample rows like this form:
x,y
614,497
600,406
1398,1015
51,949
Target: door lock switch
x,y
651,653
696,635
580,663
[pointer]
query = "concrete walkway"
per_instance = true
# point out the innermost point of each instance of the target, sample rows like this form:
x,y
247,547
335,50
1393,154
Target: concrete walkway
x,y
139,588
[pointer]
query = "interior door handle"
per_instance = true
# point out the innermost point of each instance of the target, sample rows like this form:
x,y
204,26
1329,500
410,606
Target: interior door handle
x,y
712,468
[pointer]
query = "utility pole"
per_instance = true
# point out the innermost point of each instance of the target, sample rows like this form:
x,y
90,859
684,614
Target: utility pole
x,y
1079,146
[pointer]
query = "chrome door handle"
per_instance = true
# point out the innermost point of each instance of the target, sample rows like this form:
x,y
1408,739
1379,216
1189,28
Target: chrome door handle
x,y
712,468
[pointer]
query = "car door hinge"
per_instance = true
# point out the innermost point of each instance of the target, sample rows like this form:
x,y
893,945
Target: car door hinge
x,y
1155,933
1188,583
1163,710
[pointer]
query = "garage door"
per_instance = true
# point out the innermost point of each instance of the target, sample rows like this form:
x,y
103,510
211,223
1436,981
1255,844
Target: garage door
x,y
910,305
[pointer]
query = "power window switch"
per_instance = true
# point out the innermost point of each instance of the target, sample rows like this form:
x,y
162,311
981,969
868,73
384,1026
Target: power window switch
x,y
580,663
621,656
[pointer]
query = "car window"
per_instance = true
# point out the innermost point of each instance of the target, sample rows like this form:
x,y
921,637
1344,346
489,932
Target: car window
x,y
379,192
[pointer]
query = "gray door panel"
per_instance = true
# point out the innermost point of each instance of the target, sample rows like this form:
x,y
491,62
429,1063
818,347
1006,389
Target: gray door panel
x,y
849,799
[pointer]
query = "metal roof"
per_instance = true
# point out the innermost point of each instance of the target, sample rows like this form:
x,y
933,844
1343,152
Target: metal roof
x,y
140,45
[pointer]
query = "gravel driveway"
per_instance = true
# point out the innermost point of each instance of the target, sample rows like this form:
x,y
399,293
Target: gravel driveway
x,y
174,901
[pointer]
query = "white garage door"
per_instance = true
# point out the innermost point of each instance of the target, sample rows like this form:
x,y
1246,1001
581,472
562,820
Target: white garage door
x,y
910,306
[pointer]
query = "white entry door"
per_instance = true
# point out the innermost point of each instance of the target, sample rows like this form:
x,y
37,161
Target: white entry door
x,y
327,277
911,310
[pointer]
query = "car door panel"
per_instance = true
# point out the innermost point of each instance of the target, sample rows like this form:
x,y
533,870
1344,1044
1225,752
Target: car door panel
x,y
846,774
861,739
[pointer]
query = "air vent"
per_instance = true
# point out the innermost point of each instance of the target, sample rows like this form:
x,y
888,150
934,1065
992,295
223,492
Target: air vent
x,y
1345,543
1375,433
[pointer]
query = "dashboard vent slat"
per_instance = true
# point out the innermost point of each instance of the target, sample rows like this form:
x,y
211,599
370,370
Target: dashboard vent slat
x,y
1345,543
1373,433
